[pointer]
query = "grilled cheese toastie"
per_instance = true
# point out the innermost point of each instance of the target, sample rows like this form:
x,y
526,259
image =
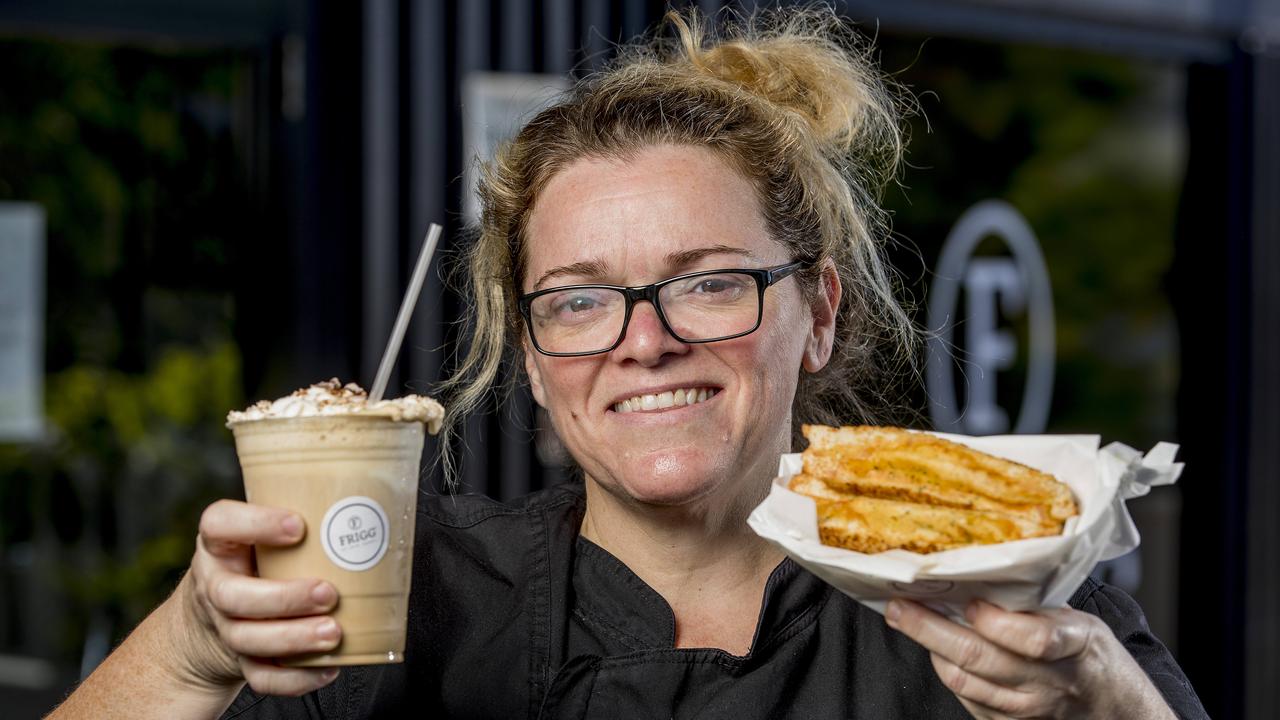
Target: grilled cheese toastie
x,y
884,488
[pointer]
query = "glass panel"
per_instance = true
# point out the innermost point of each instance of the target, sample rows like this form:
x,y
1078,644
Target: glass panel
x,y
1089,150
141,159
578,320
711,306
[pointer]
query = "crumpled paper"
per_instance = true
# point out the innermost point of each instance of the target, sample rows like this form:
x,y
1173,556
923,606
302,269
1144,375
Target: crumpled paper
x,y
1020,575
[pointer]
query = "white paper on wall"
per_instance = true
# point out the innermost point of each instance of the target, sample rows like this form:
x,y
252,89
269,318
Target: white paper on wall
x,y
22,237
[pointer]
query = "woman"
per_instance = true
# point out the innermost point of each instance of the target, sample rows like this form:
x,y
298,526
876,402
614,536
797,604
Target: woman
x,y
684,254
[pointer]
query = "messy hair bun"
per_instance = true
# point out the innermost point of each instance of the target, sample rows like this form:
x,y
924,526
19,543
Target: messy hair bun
x,y
791,99
806,63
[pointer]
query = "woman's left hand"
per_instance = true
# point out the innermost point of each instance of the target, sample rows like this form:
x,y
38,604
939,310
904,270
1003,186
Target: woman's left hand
x,y
1049,664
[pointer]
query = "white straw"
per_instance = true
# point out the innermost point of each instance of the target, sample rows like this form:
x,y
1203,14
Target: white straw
x,y
406,310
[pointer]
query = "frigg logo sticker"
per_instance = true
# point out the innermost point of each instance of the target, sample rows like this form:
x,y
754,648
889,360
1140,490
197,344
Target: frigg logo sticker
x,y
354,533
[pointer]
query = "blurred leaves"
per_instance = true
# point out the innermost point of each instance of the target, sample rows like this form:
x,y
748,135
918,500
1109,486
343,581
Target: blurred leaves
x,y
166,426
138,583
131,461
130,151
185,390
131,154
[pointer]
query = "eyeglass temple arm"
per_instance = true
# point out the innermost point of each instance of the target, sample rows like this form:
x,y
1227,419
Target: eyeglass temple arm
x,y
776,274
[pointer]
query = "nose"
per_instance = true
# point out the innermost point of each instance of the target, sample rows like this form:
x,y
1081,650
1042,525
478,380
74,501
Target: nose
x,y
647,341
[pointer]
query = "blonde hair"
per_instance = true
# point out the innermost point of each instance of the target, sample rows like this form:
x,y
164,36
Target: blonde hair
x,y
792,100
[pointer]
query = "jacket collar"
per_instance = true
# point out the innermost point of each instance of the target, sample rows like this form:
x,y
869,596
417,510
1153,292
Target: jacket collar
x,y
612,595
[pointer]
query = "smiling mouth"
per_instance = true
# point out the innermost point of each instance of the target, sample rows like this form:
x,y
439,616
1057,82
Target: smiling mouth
x,y
665,400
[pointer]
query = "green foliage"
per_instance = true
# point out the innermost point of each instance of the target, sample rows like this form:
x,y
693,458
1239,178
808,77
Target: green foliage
x,y
130,462
186,390
130,152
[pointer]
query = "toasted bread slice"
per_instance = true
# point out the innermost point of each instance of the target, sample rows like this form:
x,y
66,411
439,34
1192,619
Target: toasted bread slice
x,y
897,464
878,489
815,488
872,525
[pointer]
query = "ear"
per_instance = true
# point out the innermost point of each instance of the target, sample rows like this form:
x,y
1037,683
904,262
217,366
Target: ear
x,y
817,350
535,375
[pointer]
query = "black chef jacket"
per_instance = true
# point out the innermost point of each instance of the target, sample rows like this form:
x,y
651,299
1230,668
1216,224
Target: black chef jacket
x,y
513,615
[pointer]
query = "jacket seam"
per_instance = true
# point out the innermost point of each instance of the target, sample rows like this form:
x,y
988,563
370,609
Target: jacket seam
x,y
617,570
540,624
1088,596
797,624
632,642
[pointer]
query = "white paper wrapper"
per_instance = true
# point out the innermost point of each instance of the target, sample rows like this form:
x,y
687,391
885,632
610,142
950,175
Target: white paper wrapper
x,y
1020,575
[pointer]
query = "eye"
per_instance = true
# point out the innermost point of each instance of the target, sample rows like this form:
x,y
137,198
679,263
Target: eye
x,y
713,285
577,304
719,289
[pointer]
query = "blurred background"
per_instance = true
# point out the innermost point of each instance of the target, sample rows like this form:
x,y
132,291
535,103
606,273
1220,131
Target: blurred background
x,y
211,202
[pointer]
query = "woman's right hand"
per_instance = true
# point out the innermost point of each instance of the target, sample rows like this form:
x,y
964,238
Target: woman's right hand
x,y
244,622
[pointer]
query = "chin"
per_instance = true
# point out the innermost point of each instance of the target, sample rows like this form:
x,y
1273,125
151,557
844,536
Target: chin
x,y
671,479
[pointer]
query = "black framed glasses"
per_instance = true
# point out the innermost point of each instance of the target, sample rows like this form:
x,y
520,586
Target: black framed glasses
x,y
700,307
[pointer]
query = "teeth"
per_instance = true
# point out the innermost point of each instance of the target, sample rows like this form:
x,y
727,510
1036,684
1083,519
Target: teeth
x,y
662,401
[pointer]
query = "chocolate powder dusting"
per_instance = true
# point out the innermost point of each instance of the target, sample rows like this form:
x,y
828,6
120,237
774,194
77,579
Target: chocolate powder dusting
x,y
331,397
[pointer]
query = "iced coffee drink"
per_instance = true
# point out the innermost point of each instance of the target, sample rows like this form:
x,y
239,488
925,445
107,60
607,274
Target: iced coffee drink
x,y
350,469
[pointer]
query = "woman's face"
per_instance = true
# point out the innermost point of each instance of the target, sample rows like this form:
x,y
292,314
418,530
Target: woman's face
x,y
666,211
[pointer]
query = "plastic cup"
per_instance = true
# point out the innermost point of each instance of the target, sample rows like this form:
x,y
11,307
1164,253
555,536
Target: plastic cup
x,y
354,480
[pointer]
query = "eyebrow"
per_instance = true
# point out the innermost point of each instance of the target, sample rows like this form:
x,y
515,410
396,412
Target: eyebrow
x,y
589,268
689,257
599,268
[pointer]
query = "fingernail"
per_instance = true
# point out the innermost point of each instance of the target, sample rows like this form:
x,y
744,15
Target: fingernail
x,y
292,525
327,630
322,594
328,675
971,611
893,611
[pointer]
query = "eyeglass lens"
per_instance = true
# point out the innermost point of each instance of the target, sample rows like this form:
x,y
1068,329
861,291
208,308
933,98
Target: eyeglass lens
x,y
705,307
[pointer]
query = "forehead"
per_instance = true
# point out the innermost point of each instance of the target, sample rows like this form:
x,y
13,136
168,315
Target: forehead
x,y
631,214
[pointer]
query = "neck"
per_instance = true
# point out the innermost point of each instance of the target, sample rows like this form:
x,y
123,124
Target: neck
x,y
708,566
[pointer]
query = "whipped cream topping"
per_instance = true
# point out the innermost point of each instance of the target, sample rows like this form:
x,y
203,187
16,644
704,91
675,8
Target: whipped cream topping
x,y
333,398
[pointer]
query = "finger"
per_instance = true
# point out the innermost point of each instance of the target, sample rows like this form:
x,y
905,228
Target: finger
x,y
992,699
280,638
243,596
1046,635
228,525
959,645
267,679
981,712
232,558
